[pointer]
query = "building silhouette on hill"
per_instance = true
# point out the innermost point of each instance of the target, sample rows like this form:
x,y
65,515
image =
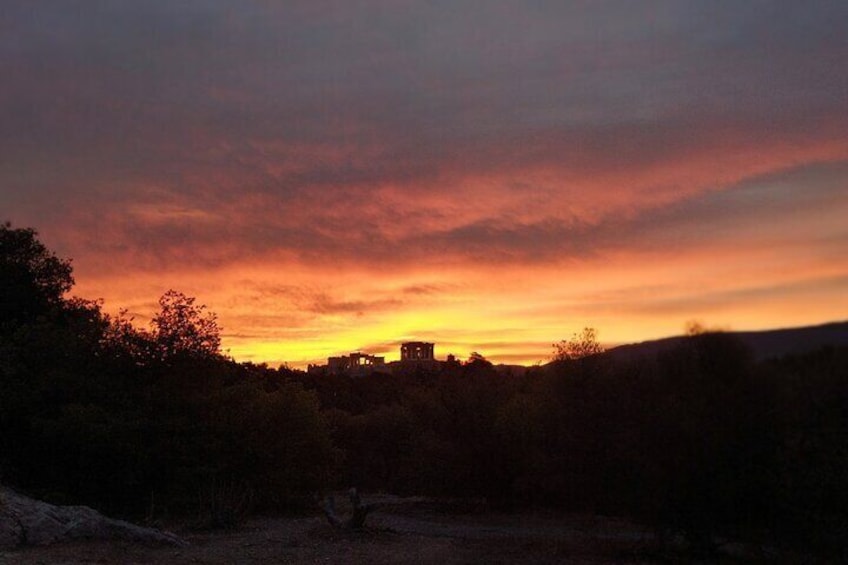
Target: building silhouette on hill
x,y
417,351
357,364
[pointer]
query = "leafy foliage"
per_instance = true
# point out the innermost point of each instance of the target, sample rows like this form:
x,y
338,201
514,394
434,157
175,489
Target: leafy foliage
x,y
32,279
97,411
182,328
578,347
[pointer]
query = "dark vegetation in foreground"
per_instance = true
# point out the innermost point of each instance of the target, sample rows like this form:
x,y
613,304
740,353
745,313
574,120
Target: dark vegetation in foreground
x,y
698,440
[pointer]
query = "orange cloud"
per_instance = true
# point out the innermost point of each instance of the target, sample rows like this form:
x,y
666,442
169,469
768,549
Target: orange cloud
x,y
339,178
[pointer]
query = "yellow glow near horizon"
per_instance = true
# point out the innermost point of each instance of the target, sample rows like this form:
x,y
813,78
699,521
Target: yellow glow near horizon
x,y
512,318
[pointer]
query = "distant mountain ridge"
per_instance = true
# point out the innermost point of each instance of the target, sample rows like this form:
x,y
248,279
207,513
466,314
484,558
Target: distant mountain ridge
x,y
764,344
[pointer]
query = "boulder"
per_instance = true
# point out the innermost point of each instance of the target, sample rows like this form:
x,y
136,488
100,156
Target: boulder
x,y
25,521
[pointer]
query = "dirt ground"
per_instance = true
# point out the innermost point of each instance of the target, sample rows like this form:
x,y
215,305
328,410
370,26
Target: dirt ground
x,y
401,531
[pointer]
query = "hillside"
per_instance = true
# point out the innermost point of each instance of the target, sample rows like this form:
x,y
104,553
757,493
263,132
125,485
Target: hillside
x,y
765,344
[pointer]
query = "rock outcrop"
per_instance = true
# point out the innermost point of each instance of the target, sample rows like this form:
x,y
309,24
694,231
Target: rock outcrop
x,y
25,521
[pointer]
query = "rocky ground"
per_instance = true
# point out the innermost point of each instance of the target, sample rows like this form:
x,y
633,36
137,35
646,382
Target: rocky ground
x,y
401,531
25,522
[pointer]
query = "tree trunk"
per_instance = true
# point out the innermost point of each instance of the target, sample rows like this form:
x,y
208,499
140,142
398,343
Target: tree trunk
x,y
359,512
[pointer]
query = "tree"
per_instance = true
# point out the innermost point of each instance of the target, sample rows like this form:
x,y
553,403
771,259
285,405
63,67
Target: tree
x,y
182,328
477,359
32,279
709,440
579,346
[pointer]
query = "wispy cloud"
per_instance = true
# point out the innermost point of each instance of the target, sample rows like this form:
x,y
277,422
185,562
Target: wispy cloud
x,y
393,167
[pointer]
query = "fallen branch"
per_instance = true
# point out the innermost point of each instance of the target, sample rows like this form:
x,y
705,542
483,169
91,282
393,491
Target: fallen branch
x,y
359,512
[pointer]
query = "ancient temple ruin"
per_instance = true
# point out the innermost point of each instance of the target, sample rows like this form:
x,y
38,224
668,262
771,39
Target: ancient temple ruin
x,y
416,351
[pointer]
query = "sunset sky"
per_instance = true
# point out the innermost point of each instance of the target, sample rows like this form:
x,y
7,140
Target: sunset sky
x,y
332,176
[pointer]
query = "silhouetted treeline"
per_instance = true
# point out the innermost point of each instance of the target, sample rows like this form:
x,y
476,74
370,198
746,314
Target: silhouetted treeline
x,y
139,421
698,440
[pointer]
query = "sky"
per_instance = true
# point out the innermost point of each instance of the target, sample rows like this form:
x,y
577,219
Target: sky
x,y
331,176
